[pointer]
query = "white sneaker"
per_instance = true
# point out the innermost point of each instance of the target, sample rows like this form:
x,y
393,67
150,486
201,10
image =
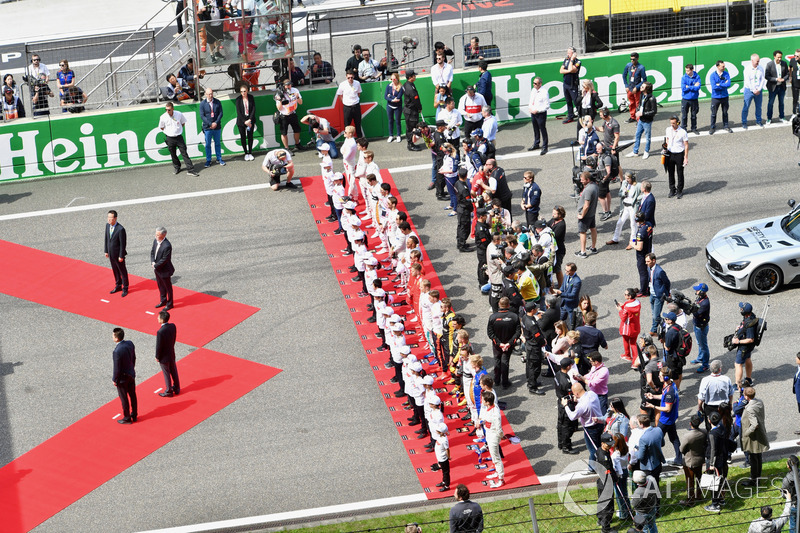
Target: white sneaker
x,y
398,139
497,483
492,476
646,155
632,154
390,139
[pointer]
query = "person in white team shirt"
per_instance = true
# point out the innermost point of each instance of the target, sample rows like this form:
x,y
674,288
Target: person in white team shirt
x,y
493,431
37,68
171,123
471,108
349,158
677,141
326,165
287,101
277,163
452,117
350,91
442,72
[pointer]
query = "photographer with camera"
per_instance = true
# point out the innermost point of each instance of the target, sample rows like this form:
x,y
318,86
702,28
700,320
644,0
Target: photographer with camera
x,y
37,70
744,342
41,92
766,524
412,107
276,163
702,315
453,119
629,193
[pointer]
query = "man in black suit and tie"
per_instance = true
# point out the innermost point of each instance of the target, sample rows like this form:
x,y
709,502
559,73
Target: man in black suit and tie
x,y
161,259
776,74
124,376
165,355
114,249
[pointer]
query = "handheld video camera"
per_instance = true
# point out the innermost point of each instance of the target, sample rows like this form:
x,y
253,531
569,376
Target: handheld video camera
x,y
677,297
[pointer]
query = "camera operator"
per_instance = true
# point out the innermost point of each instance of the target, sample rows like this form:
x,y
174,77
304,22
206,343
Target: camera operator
x,y
744,340
500,218
41,92
276,163
608,170
702,315
453,119
483,146
497,252
672,340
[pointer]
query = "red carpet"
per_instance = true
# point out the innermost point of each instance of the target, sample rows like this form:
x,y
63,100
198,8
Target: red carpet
x,y
82,288
463,461
66,467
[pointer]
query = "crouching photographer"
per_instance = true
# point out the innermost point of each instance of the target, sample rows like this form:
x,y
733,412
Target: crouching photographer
x,y
276,163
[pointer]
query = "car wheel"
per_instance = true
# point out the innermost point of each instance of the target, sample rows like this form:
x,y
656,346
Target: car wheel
x,y
766,279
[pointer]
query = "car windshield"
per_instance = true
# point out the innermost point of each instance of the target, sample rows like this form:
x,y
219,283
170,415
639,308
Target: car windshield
x,y
791,224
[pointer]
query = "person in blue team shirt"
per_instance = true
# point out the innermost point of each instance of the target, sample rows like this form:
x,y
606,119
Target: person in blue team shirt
x,y
670,404
720,82
690,93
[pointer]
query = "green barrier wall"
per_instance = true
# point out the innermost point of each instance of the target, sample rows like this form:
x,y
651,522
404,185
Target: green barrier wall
x,y
65,144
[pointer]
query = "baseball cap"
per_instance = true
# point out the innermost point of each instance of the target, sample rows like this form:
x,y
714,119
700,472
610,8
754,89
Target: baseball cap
x,y
395,318
700,287
670,316
405,350
531,306
607,438
427,380
371,261
746,307
410,73
441,427
358,235
540,223
350,205
337,176
324,146
477,133
440,123
435,400
398,327
482,211
416,366
470,87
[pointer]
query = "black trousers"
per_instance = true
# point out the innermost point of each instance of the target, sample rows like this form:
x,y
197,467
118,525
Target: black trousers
x,y
127,389
120,272
715,103
412,120
756,464
164,288
572,100
539,121
419,413
398,374
502,359
531,217
352,114
470,126
689,107
246,138
795,95
605,504
173,145
533,364
506,203
445,466
644,279
170,371
483,277
462,231
675,162
564,429
179,7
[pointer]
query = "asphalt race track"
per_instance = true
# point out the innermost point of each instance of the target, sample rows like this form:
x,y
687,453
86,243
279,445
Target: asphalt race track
x,y
318,433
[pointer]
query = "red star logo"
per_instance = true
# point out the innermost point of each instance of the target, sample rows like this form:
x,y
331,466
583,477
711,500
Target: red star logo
x,y
335,113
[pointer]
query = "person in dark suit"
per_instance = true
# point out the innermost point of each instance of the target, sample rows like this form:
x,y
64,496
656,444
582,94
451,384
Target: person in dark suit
x,y
161,260
718,461
114,248
693,449
124,376
647,204
776,74
165,355
659,287
246,120
412,107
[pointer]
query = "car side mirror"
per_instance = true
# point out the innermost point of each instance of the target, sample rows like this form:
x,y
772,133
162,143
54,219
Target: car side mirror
x,y
791,203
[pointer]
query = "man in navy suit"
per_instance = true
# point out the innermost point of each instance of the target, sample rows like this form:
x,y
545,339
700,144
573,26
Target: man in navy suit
x,y
659,287
161,260
165,355
114,248
647,203
570,291
124,376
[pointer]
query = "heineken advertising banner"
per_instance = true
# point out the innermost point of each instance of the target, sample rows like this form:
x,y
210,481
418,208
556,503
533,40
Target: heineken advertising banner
x,y
89,142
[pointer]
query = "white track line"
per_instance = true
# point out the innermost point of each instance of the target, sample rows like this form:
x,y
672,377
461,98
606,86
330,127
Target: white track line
x,y
260,186
321,512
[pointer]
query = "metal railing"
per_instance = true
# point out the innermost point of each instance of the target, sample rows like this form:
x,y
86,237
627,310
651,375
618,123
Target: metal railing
x,y
462,36
559,41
